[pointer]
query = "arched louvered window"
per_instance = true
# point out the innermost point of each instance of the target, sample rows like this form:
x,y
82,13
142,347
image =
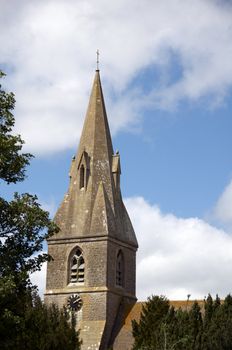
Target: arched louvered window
x,y
77,267
120,269
82,176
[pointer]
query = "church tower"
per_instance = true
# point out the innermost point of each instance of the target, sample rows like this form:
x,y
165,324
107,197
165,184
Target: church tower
x,y
94,253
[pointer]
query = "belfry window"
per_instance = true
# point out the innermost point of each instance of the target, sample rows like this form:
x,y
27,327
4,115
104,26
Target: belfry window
x,y
120,269
82,176
77,267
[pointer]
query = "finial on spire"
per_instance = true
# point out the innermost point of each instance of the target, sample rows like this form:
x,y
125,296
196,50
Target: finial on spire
x,y
97,52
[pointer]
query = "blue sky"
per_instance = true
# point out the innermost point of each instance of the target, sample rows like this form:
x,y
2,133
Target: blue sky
x,y
167,77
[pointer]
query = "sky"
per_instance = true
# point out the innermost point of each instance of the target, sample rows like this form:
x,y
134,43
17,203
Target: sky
x,y
167,80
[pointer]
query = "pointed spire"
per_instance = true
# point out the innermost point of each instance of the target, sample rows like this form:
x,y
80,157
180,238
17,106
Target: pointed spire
x,y
93,204
96,134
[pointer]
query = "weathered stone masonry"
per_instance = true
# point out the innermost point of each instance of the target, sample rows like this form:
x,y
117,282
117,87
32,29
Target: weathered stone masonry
x,y
94,254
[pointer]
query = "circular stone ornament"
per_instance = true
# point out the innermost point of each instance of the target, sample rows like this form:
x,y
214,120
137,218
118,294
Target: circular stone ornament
x,y
74,302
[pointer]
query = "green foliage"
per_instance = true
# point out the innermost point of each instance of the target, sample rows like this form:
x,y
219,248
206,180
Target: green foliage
x,y
12,162
40,327
163,328
25,323
47,328
153,318
22,225
218,332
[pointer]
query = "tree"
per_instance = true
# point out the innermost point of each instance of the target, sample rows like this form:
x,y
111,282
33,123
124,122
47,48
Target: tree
x,y
24,225
218,332
195,326
23,228
163,328
47,327
150,331
12,163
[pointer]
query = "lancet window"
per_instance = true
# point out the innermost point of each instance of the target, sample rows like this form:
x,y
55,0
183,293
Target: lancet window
x,y
84,170
82,176
77,267
120,269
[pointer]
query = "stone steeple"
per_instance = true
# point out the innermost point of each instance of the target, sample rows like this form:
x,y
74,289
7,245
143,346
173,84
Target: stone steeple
x,y
93,266
94,189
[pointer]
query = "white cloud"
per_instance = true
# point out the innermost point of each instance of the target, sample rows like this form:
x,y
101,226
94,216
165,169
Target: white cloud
x,y
176,256
179,256
38,278
223,208
48,48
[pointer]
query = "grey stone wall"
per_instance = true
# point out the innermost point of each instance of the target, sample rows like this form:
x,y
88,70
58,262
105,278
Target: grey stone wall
x,y
129,255
95,256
